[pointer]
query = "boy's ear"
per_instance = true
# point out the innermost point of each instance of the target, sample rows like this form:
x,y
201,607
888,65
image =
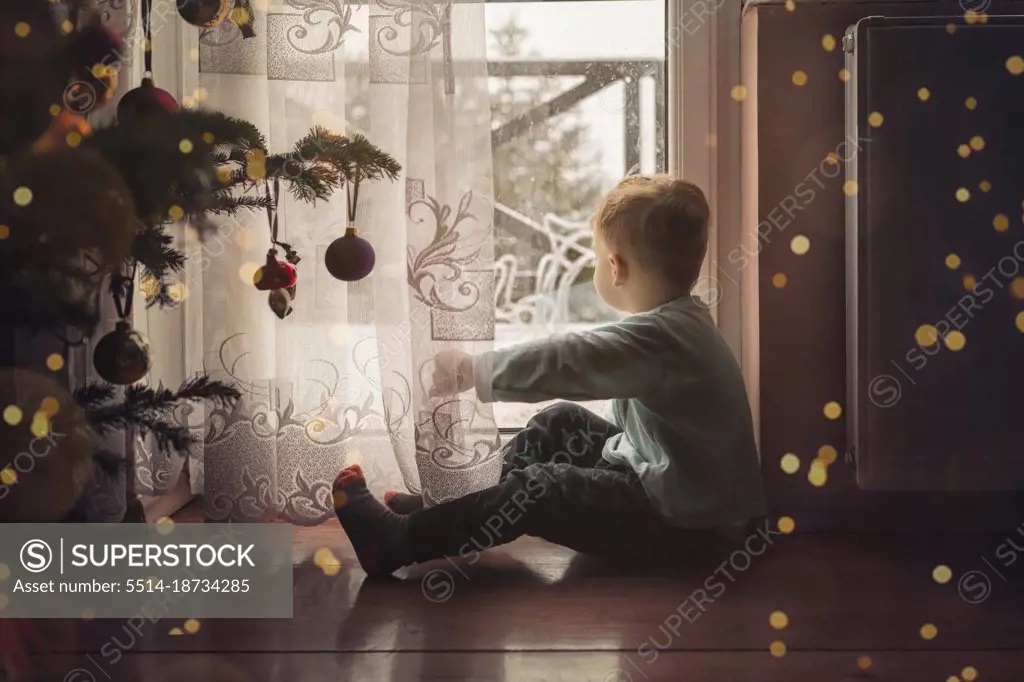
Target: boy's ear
x,y
620,272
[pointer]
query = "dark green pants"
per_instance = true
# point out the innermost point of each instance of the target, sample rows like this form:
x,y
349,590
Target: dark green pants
x,y
556,485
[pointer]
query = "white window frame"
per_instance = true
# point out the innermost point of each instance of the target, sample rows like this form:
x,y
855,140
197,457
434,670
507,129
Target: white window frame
x,y
712,142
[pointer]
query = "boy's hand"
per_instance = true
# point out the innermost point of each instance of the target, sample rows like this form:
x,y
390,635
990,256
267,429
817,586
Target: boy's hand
x,y
453,373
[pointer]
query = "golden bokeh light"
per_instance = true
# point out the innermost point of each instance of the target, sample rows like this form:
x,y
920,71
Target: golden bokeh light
x,y
5,232
1001,223
1017,288
955,340
22,29
777,649
786,525
790,463
1019,321
929,631
13,415
817,475
977,143
828,42
984,185
969,282
1015,65
50,406
326,561
962,195
247,272
964,151
832,410
800,244
970,673
971,103
22,197
850,188
55,362
952,261
863,662
923,94
875,119
186,146
790,5
827,455
164,525
942,574
778,620
779,280
40,426
844,75
738,92
926,335
799,78
191,626
340,498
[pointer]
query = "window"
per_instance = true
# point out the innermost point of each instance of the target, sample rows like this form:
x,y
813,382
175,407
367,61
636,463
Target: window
x,y
578,102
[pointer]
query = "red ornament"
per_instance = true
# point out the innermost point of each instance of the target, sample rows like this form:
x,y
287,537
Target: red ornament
x,y
350,258
275,274
145,101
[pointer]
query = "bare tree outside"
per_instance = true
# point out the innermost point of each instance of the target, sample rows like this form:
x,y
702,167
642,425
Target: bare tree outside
x,y
548,168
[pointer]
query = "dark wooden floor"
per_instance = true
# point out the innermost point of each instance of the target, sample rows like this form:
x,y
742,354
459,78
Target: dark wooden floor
x,y
855,607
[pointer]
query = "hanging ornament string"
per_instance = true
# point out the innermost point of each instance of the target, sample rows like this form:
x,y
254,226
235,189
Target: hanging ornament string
x,y
272,209
147,32
272,218
352,192
123,288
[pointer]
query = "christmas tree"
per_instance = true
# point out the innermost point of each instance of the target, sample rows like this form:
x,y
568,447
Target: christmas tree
x,y
86,214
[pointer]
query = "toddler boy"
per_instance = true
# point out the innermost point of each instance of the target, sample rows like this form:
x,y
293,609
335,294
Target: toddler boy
x,y
678,462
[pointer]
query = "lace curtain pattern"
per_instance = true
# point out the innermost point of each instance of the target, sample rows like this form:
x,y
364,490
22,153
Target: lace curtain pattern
x,y
344,378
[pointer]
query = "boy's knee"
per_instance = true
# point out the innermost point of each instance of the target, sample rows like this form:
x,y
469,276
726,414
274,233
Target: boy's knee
x,y
537,484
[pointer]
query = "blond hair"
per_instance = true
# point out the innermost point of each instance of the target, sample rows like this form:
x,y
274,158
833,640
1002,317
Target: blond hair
x,y
661,222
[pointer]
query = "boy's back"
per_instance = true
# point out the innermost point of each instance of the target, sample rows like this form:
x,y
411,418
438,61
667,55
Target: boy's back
x,y
691,437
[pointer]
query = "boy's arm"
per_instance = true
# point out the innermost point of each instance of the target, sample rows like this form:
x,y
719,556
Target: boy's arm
x,y
621,360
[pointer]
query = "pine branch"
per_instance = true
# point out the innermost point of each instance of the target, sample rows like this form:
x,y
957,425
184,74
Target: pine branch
x,y
92,396
369,160
226,204
152,250
148,409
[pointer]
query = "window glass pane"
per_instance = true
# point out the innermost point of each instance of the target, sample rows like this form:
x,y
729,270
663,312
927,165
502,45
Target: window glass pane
x,y
577,100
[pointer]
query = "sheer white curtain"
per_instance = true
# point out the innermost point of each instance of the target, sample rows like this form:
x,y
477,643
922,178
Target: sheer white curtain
x,y
343,379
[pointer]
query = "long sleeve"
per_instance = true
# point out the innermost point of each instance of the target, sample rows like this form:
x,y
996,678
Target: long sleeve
x,y
616,361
